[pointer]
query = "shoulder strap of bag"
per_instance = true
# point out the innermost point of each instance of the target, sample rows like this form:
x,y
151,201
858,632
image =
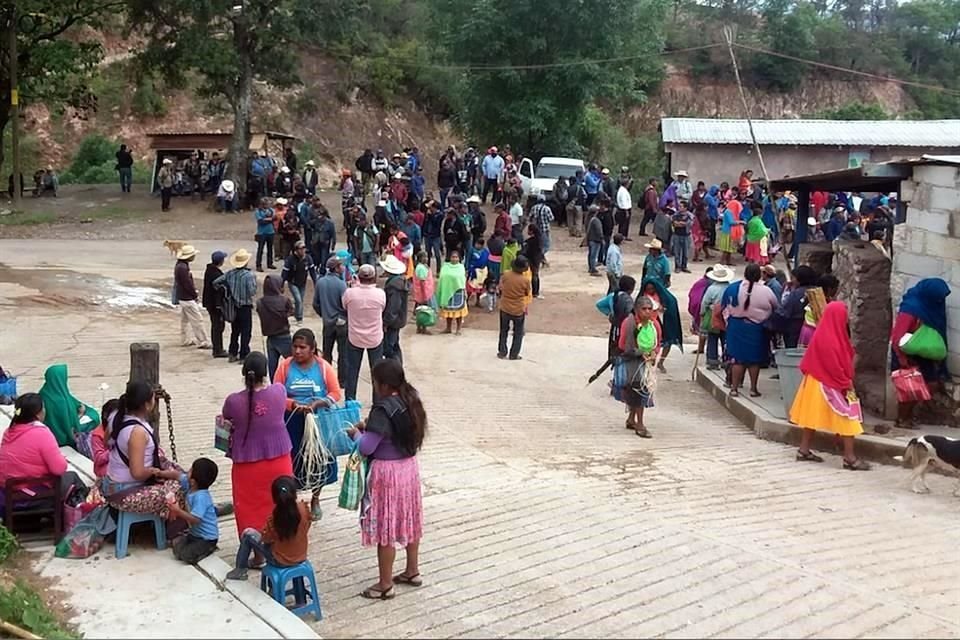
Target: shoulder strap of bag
x,y
153,436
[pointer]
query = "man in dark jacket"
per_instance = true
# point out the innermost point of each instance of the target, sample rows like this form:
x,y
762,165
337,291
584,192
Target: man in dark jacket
x,y
192,333
310,178
296,268
651,205
213,301
124,167
478,221
454,234
433,234
328,303
395,313
323,236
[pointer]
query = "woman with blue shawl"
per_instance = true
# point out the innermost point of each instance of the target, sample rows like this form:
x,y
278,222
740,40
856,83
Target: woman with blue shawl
x,y
669,314
725,241
923,304
712,200
747,305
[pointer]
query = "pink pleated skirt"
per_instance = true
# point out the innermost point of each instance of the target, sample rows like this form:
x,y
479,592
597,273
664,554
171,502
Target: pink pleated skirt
x,y
395,515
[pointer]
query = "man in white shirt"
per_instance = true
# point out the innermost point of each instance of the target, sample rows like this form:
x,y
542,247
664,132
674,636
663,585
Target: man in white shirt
x,y
624,205
516,219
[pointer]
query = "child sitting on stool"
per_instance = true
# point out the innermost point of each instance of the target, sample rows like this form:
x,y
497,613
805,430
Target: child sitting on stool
x,y
283,542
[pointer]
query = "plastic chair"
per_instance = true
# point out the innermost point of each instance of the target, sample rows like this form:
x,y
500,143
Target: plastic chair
x,y
274,580
127,519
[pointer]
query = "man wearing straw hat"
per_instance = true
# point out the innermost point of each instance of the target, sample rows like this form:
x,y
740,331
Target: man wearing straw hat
x,y
240,287
192,333
395,312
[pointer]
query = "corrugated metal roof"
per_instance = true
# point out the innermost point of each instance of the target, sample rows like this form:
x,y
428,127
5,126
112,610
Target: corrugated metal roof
x,y
859,133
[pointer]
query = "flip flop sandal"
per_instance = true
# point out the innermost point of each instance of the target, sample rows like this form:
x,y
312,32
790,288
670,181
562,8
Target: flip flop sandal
x,y
413,581
808,456
856,465
373,593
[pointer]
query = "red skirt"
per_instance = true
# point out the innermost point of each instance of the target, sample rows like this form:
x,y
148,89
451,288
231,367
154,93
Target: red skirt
x,y
252,481
752,254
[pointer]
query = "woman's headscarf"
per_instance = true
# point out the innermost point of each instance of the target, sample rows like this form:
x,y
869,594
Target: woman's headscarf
x,y
672,327
926,300
829,357
62,407
669,195
695,297
453,278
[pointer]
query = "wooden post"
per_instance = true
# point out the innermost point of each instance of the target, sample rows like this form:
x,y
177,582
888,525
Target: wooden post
x,y
145,366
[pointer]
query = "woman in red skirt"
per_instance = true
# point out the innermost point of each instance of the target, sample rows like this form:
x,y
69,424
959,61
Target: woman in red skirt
x,y
392,511
259,444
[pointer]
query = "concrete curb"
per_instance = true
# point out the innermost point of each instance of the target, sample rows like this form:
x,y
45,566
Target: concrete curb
x,y
768,427
259,603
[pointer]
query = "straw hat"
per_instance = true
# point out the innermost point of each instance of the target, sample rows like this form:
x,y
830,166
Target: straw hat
x,y
310,163
281,201
284,169
474,198
167,161
240,259
393,266
186,252
811,221
682,173
605,171
654,244
228,186
721,273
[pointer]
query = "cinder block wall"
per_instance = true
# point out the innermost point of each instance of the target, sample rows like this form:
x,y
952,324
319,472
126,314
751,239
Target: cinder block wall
x,y
928,246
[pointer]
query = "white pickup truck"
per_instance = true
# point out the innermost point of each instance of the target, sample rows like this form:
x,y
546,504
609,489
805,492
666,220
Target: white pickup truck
x,y
542,179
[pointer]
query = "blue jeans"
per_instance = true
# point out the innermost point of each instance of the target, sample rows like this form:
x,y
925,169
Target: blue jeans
x,y
277,347
251,541
679,245
593,253
126,179
545,241
354,360
297,294
443,198
224,205
434,250
368,257
714,342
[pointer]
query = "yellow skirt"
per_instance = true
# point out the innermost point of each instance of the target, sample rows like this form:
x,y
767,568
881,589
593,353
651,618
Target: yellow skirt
x,y
811,410
454,313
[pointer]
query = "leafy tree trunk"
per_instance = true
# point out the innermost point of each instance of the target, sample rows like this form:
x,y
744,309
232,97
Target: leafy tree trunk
x,y
242,105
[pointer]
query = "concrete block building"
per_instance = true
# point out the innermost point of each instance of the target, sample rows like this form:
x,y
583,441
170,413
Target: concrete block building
x,y
715,150
926,244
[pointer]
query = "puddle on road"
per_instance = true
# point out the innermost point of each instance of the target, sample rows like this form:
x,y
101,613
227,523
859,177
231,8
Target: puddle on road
x,y
65,287
627,470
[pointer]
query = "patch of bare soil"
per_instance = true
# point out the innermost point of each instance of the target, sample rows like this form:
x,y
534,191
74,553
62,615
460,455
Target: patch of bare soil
x,y
20,568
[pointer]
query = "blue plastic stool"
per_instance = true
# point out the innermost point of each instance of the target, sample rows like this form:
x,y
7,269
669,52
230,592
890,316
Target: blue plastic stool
x,y
128,519
274,580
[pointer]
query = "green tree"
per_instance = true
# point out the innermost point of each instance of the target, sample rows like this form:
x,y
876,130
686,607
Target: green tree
x,y
56,51
227,43
787,28
598,48
855,111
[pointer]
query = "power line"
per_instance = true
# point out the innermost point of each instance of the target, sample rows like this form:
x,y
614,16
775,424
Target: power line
x,y
600,61
855,72
546,65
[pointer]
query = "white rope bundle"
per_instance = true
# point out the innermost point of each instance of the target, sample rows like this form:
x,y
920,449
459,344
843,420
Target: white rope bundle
x,y
314,455
645,378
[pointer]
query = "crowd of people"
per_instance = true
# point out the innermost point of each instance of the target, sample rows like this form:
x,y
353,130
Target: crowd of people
x,y
438,249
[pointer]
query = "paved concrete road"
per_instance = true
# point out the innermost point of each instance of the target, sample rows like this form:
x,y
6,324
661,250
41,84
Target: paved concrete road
x,y
545,517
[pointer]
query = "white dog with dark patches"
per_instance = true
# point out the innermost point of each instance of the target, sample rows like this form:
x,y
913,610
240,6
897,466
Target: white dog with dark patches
x,y
931,451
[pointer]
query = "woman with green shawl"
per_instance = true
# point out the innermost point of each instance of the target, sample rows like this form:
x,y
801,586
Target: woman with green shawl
x,y
452,292
756,232
66,416
510,252
669,314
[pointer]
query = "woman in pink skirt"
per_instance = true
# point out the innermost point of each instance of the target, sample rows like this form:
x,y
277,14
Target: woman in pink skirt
x,y
392,513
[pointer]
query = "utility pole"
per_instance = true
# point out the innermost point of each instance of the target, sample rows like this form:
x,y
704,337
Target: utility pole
x,y
14,107
728,34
